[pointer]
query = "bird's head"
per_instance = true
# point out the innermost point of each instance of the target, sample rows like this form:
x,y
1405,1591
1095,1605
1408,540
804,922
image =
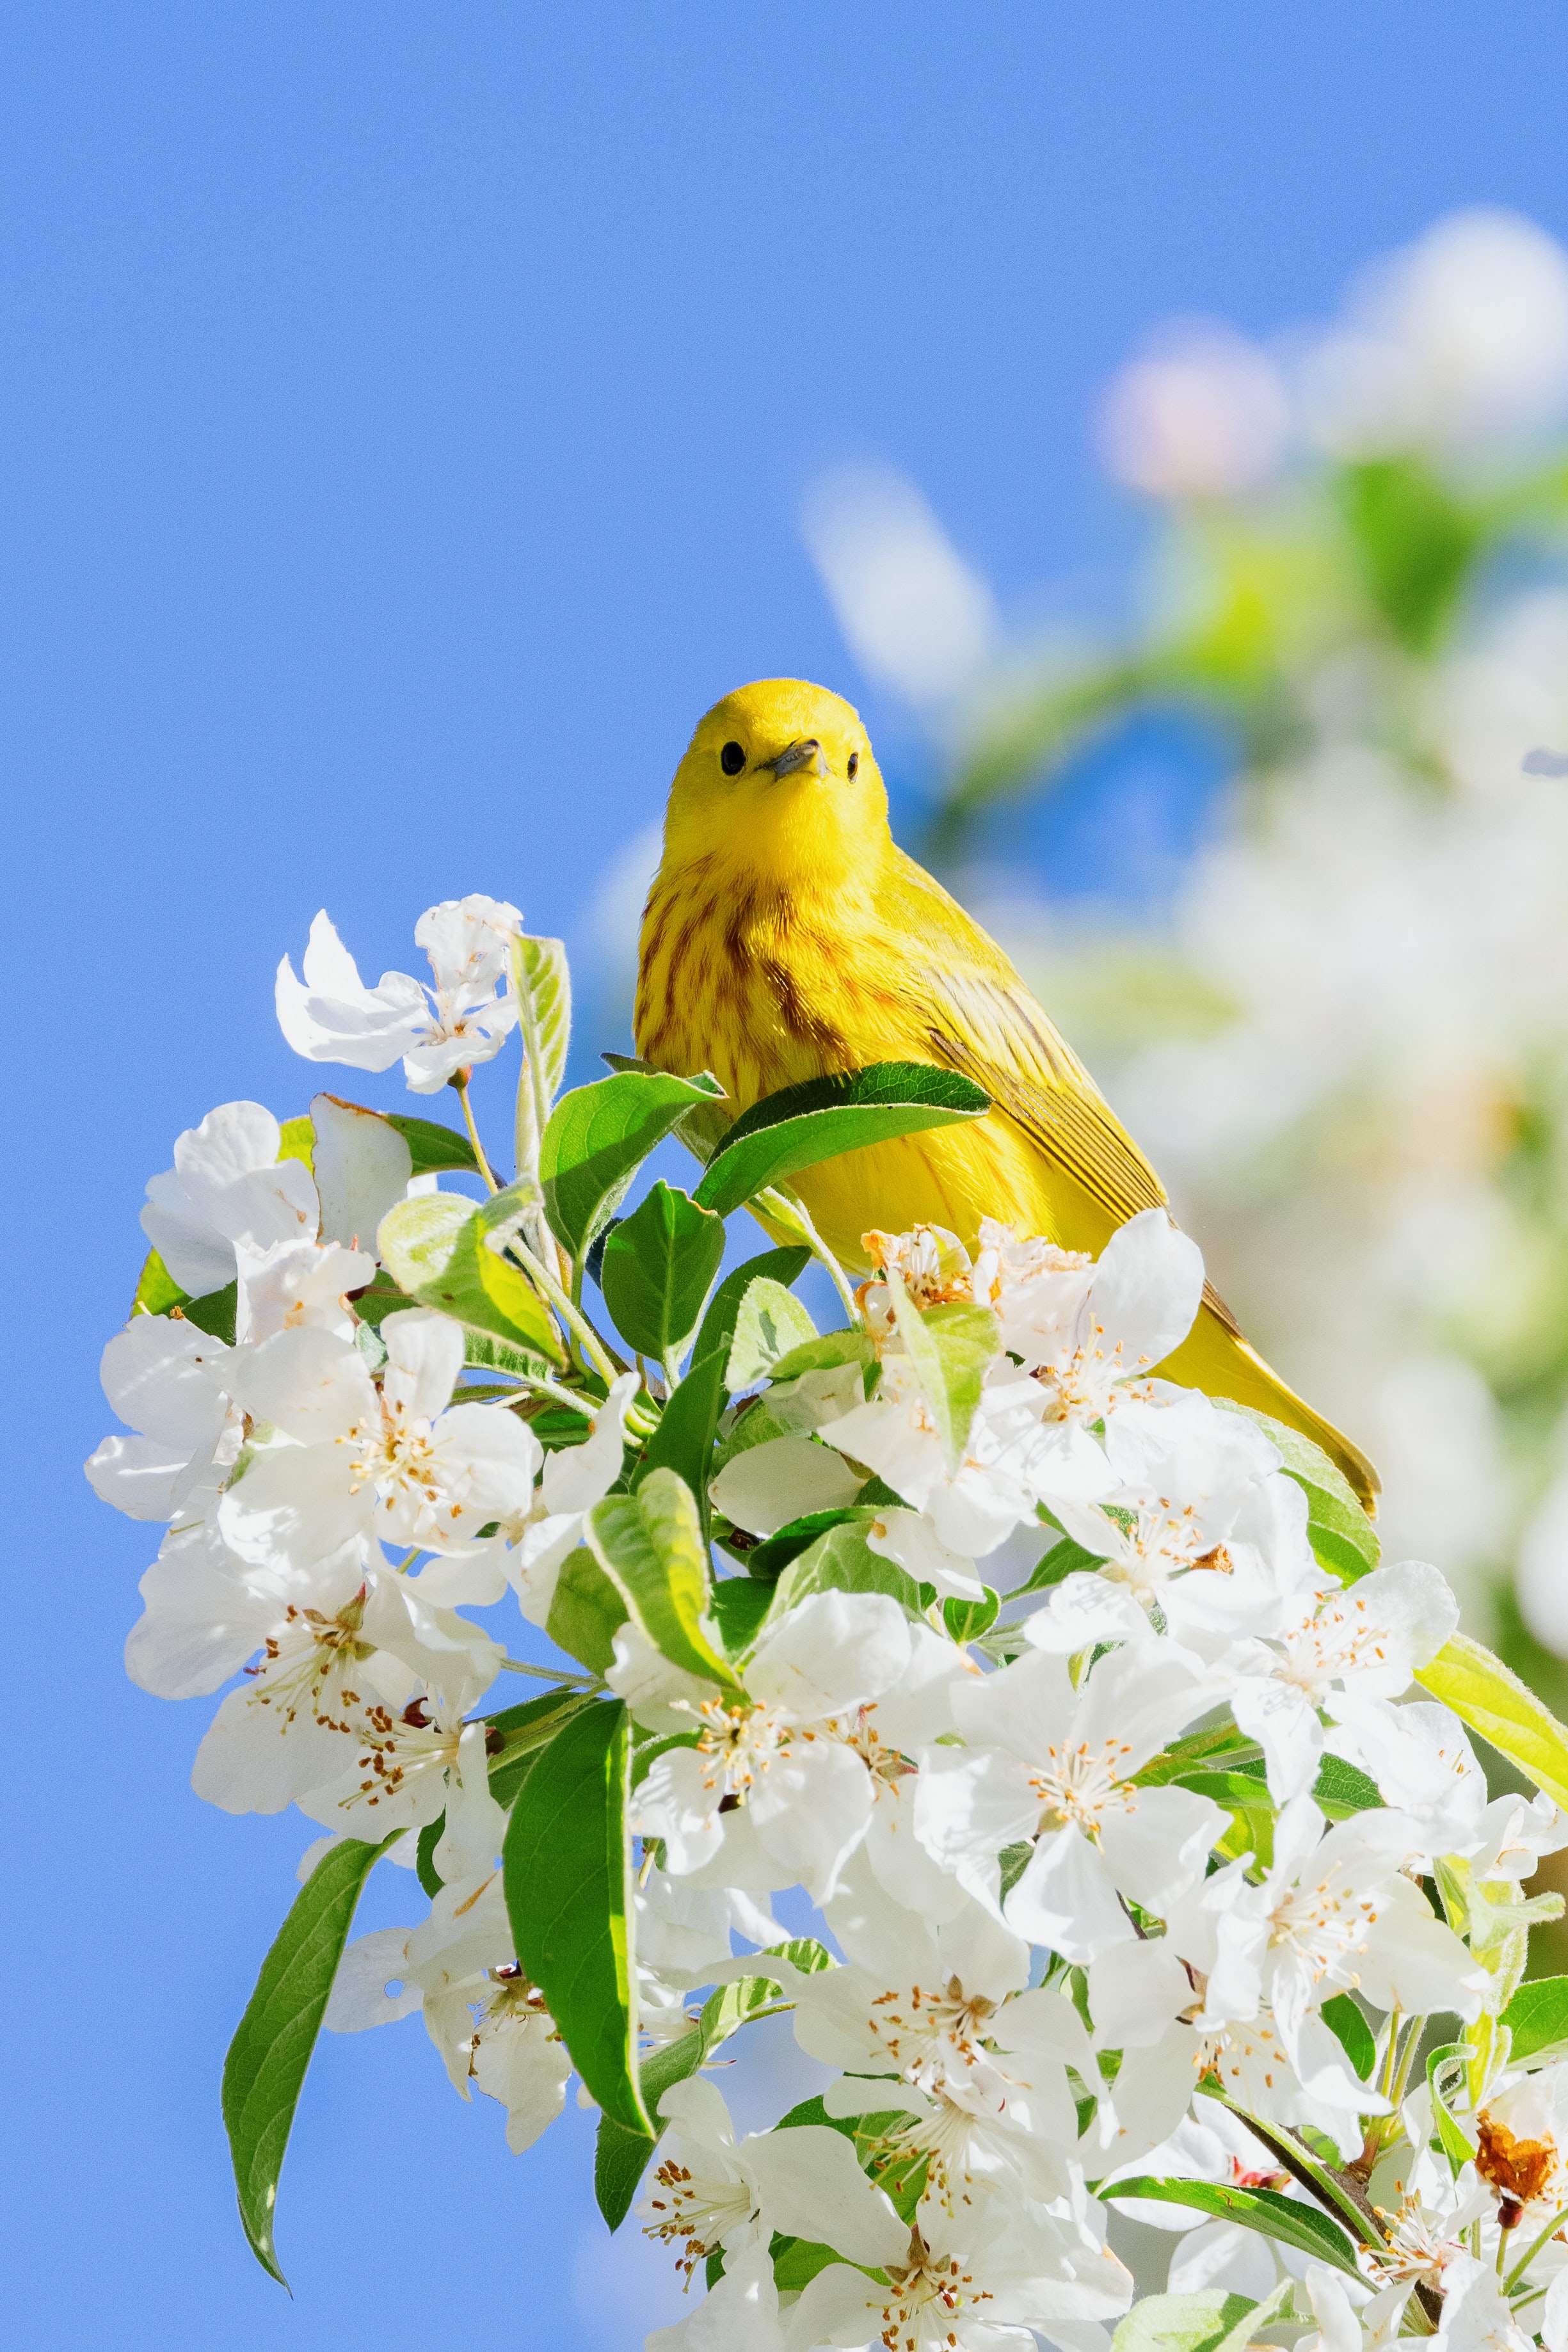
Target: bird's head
x,y
779,778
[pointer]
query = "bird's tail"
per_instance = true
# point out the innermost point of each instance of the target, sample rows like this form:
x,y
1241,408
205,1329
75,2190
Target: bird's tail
x,y
1217,1359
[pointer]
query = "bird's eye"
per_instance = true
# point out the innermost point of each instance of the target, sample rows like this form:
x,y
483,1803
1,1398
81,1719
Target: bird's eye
x,y
732,759
854,764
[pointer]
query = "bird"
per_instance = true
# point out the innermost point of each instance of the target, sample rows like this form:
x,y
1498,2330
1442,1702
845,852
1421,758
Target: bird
x,y
786,937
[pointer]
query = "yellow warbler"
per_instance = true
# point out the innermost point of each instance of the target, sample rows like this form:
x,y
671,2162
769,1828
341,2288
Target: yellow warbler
x,y
787,937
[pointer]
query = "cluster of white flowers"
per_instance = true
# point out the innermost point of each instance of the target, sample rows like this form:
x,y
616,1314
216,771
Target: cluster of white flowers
x,y
1138,1881
1356,1080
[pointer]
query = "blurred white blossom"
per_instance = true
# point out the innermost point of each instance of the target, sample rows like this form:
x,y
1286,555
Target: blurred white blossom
x,y
913,614
1201,413
1462,334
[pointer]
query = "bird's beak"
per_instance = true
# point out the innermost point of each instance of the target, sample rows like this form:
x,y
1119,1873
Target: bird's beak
x,y
806,753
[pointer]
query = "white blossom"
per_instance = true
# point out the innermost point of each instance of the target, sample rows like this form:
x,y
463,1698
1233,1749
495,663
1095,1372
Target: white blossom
x,y
434,1029
1054,1767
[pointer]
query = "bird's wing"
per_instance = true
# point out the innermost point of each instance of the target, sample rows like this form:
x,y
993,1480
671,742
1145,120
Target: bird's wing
x,y
982,1020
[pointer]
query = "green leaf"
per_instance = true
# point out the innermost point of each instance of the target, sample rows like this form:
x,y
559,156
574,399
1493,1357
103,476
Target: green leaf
x,y
1484,1695
1342,1789
382,1300
738,1608
156,1290
431,1147
265,2069
297,1140
1342,1536
769,1559
804,1124
585,1612
435,1248
541,984
649,1544
1264,2210
1537,2016
949,1347
658,1266
1352,2031
1414,541
1064,1559
522,1731
484,1352
772,1324
621,2156
1446,2070
796,2262
683,1441
841,1561
430,1837
566,1867
214,1312
597,1139
1194,2323
967,1620
834,1348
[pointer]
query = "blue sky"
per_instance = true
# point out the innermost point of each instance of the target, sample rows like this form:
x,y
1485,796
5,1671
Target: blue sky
x,y
406,412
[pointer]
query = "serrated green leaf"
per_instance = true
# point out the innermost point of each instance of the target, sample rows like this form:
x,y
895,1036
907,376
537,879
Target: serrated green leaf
x,y
1485,1695
649,1544
566,1869
265,2069
1285,2218
803,1125
598,1137
1537,2017
683,1441
771,1325
435,1249
1342,1536
1342,1789
214,1312
585,1612
950,1349
658,1266
542,985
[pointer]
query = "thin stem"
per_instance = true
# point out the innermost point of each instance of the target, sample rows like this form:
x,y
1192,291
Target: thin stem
x,y
1406,2059
639,1423
1396,2019
542,1385
794,1211
571,1313
1530,2251
459,1083
554,1675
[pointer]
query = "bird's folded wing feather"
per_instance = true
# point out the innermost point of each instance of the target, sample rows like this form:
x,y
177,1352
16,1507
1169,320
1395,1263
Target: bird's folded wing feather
x,y
986,1024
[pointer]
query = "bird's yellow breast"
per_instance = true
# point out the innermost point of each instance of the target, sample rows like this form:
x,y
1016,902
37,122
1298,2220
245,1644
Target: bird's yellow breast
x,y
767,990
